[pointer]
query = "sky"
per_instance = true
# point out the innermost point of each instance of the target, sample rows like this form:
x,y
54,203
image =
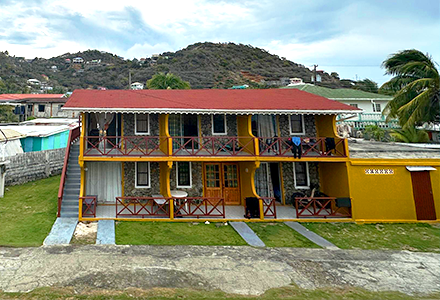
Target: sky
x,y
349,37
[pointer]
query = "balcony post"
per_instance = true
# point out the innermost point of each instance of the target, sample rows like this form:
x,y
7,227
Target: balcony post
x,y
260,202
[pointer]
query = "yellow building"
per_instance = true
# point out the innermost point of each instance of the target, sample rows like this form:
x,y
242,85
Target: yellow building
x,y
233,154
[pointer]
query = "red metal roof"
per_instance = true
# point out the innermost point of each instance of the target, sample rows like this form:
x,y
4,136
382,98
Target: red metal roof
x,y
18,97
208,101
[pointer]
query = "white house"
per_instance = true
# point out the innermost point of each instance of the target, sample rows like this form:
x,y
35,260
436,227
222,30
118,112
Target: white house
x,y
137,86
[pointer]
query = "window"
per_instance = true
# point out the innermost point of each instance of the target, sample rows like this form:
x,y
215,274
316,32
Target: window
x,y
354,105
41,107
184,174
218,124
142,124
301,175
376,107
296,124
142,174
60,106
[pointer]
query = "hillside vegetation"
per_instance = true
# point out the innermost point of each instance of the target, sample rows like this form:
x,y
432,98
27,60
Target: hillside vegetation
x,y
204,65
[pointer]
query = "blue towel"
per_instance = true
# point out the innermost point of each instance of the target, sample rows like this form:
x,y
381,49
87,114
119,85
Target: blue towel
x,y
296,140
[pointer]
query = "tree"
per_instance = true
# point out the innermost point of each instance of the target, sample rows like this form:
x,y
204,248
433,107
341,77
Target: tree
x,y
366,85
410,135
162,81
415,86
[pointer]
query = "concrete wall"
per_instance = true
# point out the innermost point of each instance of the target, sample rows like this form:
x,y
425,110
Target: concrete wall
x,y
52,110
31,166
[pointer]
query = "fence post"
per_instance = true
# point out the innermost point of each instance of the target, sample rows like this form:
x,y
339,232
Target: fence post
x,y
261,208
171,208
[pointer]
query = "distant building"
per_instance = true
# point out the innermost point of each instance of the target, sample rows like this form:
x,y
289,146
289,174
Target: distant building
x,y
67,61
78,60
101,88
34,81
295,80
137,86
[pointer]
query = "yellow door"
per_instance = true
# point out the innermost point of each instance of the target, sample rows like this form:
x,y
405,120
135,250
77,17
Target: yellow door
x,y
221,180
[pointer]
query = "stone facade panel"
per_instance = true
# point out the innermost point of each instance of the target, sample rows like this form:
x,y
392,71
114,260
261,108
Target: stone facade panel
x,y
289,181
130,189
309,124
196,189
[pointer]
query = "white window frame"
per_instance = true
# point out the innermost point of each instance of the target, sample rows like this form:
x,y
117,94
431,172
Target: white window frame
x,y
303,126
354,105
136,178
190,177
212,126
135,125
308,177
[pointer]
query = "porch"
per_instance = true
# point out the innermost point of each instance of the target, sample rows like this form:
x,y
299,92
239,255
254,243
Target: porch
x,y
210,209
156,146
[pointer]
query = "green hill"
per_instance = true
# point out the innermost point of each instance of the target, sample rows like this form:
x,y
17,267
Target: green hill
x,y
204,65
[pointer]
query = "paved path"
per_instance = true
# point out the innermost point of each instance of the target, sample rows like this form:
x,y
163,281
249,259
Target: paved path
x,y
61,232
106,232
244,270
317,239
247,234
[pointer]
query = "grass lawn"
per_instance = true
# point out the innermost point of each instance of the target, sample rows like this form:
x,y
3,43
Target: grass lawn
x,y
280,235
27,212
285,293
164,233
413,237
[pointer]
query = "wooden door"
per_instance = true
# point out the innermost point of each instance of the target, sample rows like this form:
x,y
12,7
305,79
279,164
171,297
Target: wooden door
x,y
423,198
231,186
221,181
213,180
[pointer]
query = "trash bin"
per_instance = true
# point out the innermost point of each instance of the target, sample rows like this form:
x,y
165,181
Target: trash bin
x,y
252,208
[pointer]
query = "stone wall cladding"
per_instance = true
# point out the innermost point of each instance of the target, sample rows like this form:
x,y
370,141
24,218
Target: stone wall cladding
x,y
231,125
129,181
128,120
30,166
289,183
197,180
309,124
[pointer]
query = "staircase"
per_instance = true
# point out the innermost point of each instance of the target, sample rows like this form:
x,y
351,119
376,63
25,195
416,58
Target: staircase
x,y
69,206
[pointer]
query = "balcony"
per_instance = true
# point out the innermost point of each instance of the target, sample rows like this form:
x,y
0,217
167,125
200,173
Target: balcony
x,y
211,146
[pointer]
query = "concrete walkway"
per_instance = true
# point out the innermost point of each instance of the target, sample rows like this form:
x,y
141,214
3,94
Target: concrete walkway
x,y
61,232
247,234
232,269
106,232
317,239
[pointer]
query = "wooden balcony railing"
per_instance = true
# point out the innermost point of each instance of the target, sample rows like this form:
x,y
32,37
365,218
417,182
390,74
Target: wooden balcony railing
x,y
142,207
88,204
199,207
318,146
212,146
124,145
196,207
269,207
323,207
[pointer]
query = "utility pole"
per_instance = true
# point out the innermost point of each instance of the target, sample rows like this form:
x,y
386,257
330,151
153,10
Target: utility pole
x,y
129,79
314,73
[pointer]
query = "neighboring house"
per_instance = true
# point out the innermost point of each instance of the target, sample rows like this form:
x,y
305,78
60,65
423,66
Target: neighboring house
x,y
137,86
40,137
10,143
78,60
206,154
34,81
372,104
37,105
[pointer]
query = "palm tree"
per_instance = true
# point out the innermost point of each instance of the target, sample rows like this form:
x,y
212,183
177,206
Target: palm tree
x,y
162,81
415,86
410,135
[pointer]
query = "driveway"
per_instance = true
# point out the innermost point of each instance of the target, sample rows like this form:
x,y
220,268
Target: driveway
x,y
242,270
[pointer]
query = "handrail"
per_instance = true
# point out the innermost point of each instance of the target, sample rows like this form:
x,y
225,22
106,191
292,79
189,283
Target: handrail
x,y
73,135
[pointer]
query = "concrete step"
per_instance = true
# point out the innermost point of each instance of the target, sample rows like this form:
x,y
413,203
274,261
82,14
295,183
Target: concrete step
x,y
69,215
71,185
70,197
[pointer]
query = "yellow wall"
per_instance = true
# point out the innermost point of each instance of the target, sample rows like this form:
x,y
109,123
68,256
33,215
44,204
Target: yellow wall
x,y
165,169
247,182
334,179
435,182
165,140
326,125
244,130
